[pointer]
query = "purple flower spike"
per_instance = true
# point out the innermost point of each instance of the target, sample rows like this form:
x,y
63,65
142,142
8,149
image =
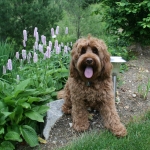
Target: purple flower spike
x,y
66,31
35,58
37,37
65,49
52,32
41,48
35,31
9,64
56,43
57,30
57,50
36,45
17,55
24,54
43,39
24,43
25,35
48,52
29,56
50,44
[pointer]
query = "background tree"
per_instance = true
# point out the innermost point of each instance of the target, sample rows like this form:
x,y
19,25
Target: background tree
x,y
132,17
80,15
18,15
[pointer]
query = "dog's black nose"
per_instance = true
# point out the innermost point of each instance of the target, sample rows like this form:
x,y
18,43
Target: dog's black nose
x,y
89,60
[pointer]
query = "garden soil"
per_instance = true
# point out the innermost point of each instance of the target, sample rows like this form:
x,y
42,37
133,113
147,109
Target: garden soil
x,y
130,103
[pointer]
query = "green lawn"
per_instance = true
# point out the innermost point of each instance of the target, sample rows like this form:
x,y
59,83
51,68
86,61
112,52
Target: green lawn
x,y
138,138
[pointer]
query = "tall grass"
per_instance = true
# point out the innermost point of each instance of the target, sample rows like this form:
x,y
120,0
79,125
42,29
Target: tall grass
x,y
138,138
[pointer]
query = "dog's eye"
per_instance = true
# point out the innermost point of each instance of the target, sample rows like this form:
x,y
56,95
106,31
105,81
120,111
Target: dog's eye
x,y
95,50
83,50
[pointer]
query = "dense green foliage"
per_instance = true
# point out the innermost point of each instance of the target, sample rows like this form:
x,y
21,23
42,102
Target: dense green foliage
x,y
21,109
6,51
18,15
25,91
130,19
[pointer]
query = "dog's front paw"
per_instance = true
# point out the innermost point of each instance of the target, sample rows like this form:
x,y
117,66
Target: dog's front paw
x,y
120,131
81,127
66,109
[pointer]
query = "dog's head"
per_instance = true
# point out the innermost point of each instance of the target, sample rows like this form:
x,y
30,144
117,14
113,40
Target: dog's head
x,y
90,59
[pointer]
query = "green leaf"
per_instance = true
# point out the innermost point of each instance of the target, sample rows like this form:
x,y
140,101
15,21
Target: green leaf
x,y
6,145
148,4
21,86
1,130
16,115
2,119
3,116
6,114
14,127
13,136
48,91
9,101
41,109
34,116
33,99
2,105
25,105
29,135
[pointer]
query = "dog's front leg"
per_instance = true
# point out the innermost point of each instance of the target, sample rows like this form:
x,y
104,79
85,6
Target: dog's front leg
x,y
79,115
111,118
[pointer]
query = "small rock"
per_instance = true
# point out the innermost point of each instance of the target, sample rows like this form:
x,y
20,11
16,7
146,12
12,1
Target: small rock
x,y
126,107
54,142
70,124
93,123
146,70
134,95
98,126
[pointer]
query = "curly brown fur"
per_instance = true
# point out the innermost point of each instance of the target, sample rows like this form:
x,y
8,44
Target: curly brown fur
x,y
90,85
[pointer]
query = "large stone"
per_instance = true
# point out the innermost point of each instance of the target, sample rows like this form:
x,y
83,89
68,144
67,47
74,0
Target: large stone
x,y
53,114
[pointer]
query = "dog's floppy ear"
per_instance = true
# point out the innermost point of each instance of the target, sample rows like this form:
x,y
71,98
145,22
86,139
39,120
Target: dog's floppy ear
x,y
74,57
73,70
107,67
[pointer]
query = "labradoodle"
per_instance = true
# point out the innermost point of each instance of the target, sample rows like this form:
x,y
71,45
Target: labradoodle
x,y
90,85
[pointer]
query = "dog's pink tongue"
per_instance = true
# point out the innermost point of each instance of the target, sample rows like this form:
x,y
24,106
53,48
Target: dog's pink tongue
x,y
88,72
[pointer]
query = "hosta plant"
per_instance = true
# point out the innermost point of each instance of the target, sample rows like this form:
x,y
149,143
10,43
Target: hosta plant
x,y
21,107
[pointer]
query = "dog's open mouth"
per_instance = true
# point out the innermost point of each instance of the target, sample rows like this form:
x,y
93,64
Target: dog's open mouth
x,y
88,72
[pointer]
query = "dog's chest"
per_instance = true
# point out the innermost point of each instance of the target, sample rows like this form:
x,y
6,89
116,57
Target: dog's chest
x,y
91,93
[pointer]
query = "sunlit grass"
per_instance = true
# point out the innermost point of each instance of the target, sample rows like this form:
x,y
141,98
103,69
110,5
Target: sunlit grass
x,y
138,138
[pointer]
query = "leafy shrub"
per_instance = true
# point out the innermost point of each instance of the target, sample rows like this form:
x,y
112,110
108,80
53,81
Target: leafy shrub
x,y
131,17
26,88
20,106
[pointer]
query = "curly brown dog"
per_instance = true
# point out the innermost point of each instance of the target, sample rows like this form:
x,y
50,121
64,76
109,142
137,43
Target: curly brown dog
x,y
90,85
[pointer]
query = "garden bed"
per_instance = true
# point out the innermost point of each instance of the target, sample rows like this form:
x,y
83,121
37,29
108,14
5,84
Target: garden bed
x,y
131,103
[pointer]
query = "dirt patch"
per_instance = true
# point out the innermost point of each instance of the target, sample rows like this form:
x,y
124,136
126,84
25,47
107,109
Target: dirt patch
x,y
130,103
